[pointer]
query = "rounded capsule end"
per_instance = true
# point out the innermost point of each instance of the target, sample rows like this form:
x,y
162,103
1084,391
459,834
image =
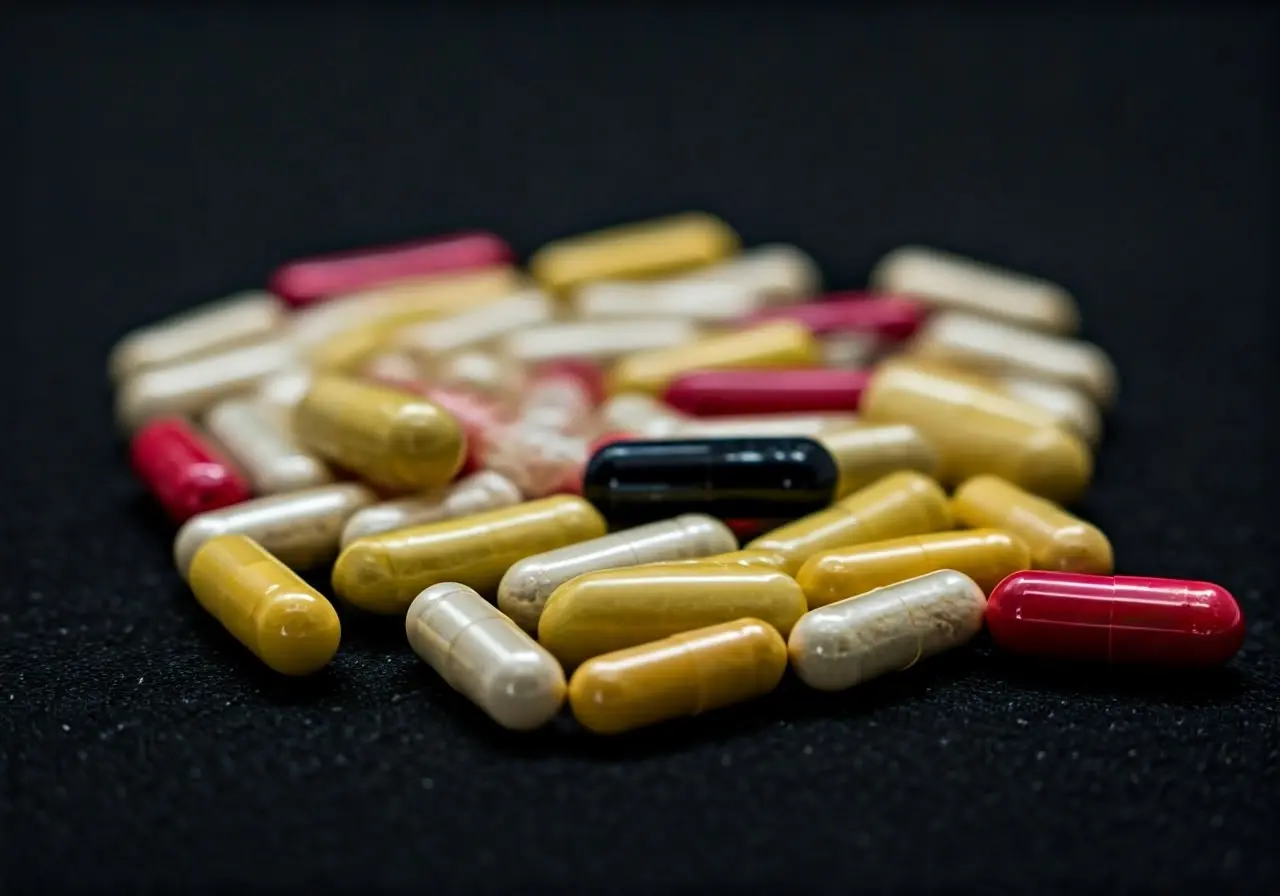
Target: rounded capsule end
x,y
363,577
297,633
191,537
523,592
525,692
1056,465
1078,548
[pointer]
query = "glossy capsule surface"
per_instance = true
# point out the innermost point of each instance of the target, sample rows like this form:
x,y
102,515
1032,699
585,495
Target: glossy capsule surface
x,y
389,438
1071,408
596,340
884,316
183,470
281,619
866,453
752,559
1057,539
485,657
711,393
524,590
683,675
383,573
262,444
1116,619
604,611
477,493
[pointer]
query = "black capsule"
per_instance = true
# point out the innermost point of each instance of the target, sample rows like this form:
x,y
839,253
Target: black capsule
x,y
752,478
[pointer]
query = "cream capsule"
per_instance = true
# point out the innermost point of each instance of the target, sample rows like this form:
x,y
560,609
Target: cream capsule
x,y
866,453
283,391
496,377
701,300
639,413
485,657
262,445
527,585
593,340
886,630
1073,410
777,271
815,425
300,528
477,493
477,326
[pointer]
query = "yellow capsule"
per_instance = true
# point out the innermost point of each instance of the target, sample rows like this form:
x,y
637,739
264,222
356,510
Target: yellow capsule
x,y
750,559
284,621
485,490
780,343
900,504
347,351
476,327
387,437
261,443
604,611
646,249
864,454
1058,540
984,555
976,430
683,675
527,585
384,572
594,340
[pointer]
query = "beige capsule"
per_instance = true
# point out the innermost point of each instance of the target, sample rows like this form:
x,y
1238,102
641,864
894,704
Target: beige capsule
x,y
866,453
638,413
300,529
850,351
485,490
597,340
261,443
496,377
476,327
695,299
753,425
391,366
525,587
283,391
779,272
1070,407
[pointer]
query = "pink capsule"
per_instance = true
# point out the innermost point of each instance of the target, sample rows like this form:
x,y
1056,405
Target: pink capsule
x,y
716,393
888,317
185,472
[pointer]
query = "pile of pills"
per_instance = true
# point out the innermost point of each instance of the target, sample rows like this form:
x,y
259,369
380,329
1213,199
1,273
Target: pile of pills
x,y
658,462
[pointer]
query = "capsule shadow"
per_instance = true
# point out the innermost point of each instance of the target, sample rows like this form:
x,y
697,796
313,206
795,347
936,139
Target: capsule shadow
x,y
1185,687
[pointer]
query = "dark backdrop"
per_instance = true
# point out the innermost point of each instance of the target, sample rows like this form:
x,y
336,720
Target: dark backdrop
x,y
166,158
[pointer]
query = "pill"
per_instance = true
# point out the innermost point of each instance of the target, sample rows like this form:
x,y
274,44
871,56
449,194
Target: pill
x,y
485,490
262,445
770,477
478,416
283,391
751,425
476,327
383,573
537,459
944,280
485,657
866,453
851,351
777,271
347,351
184,471
300,529
696,299
1057,540
618,608
683,675
236,320
883,316
976,430
497,377
192,386
595,340
310,280
886,630
1116,619
281,619
561,396
645,249
900,504
996,347
524,590
748,558
777,344
390,365
1072,409
638,412
389,438
711,393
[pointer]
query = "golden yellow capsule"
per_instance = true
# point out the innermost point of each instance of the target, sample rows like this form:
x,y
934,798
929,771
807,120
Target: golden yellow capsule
x,y
746,558
780,343
683,675
383,573
347,351
976,430
284,621
604,611
597,340
387,437
1058,540
900,504
864,454
984,555
646,249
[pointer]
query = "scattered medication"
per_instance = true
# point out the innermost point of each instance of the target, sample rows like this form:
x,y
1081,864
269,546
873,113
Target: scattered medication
x,y
601,341
477,493
753,425
867,452
883,316
749,558
1071,408
697,299
778,272
186,473
476,327
262,445
804,390
562,396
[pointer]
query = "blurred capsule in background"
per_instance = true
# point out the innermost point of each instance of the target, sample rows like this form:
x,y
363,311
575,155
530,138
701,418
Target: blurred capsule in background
x,y
498,378
640,413
391,366
183,470
849,351
476,493
476,327
750,425
886,317
281,391
262,445
562,396
802,390
600,341
780,273
867,453
700,300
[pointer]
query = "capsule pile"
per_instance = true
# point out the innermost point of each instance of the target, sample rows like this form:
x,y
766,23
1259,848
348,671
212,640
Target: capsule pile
x,y
664,464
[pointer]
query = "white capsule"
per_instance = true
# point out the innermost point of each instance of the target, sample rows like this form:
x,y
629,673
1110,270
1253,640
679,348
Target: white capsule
x,y
1071,407
885,630
263,447
491,375
476,493
597,340
283,391
850,351
469,329
300,529
524,590
778,271
391,366
752,425
485,656
636,412
692,299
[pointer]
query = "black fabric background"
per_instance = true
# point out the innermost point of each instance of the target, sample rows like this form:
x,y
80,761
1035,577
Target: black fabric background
x,y
165,158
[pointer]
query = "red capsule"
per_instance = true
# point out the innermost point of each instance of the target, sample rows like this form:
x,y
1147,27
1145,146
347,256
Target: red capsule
x,y
716,393
1115,619
310,280
183,470
885,316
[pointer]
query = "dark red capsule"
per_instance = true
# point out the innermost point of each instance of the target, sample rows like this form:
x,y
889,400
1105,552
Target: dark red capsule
x,y
1115,619
886,316
183,470
716,393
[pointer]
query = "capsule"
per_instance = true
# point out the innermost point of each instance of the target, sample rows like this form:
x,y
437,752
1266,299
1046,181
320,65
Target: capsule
x,y
976,430
186,473
383,573
524,590
539,460
479,416
683,675
695,299
1057,540
889,629
751,425
639,413
1116,619
310,280
300,529
866,453
882,316
779,272
851,351
601,341
390,366
281,619
1071,408
645,249
485,657
944,280
389,438
498,378
900,504
476,493
282,391
618,608
778,477
778,344
476,327
562,396
805,390
263,446
746,558
349,350
237,320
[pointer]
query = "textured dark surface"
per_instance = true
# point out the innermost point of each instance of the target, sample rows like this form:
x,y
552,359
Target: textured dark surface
x,y
169,158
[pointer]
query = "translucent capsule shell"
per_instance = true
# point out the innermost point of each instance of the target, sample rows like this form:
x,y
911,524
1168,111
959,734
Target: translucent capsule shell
x,y
262,445
601,341
866,453
183,470
477,493
639,413
478,326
